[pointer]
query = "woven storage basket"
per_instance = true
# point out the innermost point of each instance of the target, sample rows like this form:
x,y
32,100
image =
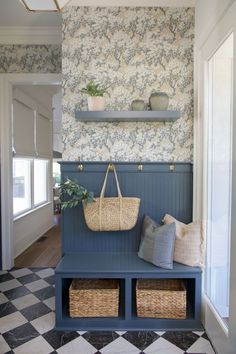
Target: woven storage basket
x,y
161,298
94,298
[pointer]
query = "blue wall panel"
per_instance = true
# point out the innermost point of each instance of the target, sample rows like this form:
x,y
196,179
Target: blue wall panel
x,y
161,191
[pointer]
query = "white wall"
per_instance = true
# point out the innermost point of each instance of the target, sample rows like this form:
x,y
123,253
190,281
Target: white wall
x,y
207,14
29,228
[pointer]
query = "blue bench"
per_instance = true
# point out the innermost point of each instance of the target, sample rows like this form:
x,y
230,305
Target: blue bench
x,y
88,254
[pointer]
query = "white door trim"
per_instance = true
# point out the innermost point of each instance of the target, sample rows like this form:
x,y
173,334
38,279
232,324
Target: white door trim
x,y
223,342
203,50
7,81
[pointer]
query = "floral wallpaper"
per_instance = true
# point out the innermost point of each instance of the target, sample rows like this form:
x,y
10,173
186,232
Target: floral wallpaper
x,y
30,59
133,52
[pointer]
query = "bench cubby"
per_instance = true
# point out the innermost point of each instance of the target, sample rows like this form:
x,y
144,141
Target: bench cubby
x,y
113,255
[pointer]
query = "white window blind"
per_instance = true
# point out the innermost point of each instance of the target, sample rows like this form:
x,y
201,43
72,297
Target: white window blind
x,y
23,129
43,135
32,127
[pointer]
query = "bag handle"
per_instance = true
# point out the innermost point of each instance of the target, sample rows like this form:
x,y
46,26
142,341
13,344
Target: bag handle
x,y
105,182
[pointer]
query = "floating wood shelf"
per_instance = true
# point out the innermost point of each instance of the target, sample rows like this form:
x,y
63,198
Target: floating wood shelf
x,y
127,116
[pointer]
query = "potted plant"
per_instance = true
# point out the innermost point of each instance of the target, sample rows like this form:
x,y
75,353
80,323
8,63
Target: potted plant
x,y
96,100
75,194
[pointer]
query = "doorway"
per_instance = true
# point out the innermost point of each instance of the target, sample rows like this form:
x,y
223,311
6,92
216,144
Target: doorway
x,y
220,120
7,82
219,198
36,119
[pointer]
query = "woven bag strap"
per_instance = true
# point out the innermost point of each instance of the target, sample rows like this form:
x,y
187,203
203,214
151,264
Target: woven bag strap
x,y
105,183
120,213
120,197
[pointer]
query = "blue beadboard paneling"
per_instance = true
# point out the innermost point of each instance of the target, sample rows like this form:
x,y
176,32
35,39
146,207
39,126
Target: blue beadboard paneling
x,y
161,191
89,254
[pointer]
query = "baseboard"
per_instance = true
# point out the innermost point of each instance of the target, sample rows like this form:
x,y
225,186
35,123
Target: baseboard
x,y
36,239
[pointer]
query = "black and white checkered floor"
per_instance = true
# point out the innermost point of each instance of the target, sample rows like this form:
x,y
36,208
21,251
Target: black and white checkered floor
x,y
27,324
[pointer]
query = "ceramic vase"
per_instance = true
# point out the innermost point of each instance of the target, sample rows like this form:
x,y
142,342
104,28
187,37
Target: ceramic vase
x,y
159,101
138,105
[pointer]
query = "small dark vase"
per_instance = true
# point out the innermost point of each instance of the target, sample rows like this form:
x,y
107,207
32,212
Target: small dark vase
x,y
159,101
138,105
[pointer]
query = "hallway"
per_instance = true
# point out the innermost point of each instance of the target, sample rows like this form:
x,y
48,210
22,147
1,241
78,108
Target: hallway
x,y
45,252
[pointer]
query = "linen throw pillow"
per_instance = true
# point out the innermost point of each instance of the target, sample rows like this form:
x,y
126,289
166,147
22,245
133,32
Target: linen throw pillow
x,y
157,243
189,242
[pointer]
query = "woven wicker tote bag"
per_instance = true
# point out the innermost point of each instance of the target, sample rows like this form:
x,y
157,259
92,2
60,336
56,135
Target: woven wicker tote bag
x,y
114,213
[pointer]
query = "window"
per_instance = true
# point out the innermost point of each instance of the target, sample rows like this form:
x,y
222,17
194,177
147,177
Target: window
x,y
40,181
30,187
56,172
21,185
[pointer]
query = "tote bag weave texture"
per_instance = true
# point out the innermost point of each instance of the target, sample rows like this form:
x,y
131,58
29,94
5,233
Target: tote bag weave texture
x,y
112,213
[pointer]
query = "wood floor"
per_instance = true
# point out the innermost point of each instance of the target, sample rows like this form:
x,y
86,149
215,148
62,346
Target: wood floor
x,y
45,252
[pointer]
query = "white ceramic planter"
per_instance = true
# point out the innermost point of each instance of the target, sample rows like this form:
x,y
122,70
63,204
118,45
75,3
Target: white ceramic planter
x,y
96,103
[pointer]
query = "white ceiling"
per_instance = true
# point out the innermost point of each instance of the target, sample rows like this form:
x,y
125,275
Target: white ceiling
x,y
12,12
41,93
151,3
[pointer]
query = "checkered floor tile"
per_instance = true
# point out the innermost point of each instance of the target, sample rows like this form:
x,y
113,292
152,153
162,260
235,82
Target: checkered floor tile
x,y
27,325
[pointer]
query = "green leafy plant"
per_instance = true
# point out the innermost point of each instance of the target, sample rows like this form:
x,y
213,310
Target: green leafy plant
x,y
93,89
75,194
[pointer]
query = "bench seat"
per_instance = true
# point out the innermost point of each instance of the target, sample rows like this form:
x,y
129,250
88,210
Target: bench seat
x,y
116,263
127,267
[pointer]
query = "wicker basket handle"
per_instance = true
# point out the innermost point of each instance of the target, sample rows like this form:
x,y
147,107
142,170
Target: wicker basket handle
x,y
105,183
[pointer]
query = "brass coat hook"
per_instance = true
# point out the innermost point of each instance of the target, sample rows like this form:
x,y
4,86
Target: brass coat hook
x,y
110,167
140,167
80,167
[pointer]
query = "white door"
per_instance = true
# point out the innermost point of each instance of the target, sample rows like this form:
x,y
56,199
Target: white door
x,y
218,56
